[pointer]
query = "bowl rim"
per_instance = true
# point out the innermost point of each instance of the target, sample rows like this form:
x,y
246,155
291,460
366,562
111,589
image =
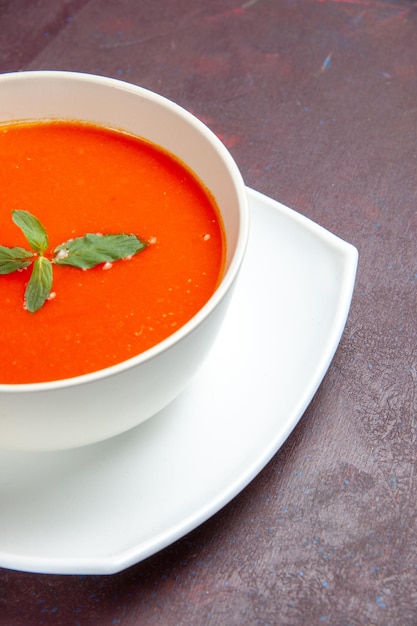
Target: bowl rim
x,y
230,274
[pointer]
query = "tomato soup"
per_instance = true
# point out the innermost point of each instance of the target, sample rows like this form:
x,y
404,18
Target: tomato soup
x,y
79,178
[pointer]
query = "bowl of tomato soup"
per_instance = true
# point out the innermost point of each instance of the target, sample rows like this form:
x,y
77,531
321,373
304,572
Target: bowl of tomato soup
x,y
123,226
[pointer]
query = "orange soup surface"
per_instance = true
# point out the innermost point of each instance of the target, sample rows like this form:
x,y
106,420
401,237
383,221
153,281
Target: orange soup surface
x,y
77,179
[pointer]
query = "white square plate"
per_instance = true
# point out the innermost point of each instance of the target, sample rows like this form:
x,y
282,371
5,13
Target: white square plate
x,y
102,508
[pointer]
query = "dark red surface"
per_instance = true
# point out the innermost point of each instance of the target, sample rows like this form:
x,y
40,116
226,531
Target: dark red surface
x,y
317,101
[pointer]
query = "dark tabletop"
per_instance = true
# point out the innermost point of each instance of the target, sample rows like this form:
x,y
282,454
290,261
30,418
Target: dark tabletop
x,y
317,102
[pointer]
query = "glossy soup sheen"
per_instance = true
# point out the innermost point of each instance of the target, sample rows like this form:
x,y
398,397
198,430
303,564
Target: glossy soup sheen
x,y
77,178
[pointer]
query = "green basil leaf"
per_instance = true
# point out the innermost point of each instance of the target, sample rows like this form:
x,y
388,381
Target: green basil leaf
x,y
32,229
12,259
91,250
40,284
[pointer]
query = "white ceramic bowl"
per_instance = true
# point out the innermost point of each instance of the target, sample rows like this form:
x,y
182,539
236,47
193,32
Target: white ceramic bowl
x,y
96,406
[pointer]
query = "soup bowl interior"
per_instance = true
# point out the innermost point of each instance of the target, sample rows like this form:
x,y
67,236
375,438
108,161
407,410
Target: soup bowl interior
x,y
89,408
